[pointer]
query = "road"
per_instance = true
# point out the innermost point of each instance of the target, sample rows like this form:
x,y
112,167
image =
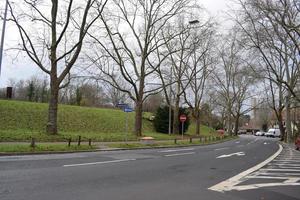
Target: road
x,y
223,171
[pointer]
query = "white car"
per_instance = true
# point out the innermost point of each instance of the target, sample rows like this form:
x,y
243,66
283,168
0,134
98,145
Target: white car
x,y
273,132
259,133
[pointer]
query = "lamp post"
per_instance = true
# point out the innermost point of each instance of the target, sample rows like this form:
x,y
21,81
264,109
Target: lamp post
x,y
3,32
170,103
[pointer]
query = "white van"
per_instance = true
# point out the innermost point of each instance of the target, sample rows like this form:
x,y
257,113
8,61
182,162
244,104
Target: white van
x,y
273,132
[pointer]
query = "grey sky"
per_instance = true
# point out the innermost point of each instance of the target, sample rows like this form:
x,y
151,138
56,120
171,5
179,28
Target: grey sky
x,y
23,68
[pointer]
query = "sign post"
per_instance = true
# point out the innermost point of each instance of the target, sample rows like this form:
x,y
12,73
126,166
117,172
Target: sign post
x,y
182,119
127,110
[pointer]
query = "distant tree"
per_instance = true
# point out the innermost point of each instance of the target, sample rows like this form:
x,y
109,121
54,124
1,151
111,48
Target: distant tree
x,y
153,102
78,96
31,91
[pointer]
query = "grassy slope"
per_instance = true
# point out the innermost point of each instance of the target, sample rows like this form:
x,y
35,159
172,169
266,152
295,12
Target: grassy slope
x,y
20,121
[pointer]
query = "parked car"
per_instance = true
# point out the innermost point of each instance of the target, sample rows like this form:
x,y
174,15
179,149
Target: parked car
x,y
242,132
297,143
259,133
273,132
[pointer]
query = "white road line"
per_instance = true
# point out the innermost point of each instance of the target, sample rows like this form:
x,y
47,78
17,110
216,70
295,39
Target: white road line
x,y
272,177
256,186
98,163
237,142
252,141
222,149
284,164
278,174
229,184
286,167
179,154
287,160
286,170
176,150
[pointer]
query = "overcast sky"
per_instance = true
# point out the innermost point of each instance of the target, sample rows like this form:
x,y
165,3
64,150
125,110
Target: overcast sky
x,y
23,68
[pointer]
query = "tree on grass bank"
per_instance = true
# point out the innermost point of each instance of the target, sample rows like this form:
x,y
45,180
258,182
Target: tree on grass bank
x,y
125,55
52,36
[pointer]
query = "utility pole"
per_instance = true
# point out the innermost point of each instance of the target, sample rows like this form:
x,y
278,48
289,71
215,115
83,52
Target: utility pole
x,y
3,32
170,103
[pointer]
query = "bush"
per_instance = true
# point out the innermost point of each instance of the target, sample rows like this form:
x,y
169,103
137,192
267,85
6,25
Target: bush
x,y
161,120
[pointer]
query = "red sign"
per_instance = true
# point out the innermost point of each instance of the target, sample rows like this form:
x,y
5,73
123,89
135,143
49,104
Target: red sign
x,y
182,118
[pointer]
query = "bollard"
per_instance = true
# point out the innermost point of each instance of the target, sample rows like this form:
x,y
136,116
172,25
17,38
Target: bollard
x,y
90,142
79,140
191,140
175,141
32,144
69,142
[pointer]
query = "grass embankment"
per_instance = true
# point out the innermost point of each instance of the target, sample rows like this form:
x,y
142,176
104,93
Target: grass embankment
x,y
21,121
25,148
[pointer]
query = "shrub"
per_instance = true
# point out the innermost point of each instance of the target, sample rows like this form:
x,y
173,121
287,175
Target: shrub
x,y
161,120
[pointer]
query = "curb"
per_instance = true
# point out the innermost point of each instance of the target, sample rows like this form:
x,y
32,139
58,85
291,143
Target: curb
x,y
108,149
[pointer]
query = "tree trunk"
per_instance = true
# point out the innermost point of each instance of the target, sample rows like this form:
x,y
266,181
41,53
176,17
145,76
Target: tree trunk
x,y
138,118
229,129
236,125
51,127
281,127
198,123
175,117
288,123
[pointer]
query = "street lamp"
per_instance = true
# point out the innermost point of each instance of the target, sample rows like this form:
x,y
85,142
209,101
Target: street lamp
x,y
170,103
193,22
3,32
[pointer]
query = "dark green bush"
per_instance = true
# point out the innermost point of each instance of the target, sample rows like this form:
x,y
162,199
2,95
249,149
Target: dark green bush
x,y
161,121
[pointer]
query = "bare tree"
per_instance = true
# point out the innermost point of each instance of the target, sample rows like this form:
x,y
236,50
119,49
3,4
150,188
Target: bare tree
x,y
233,81
133,30
271,29
44,28
199,67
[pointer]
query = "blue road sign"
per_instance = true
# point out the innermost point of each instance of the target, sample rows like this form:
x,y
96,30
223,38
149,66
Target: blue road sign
x,y
122,105
127,109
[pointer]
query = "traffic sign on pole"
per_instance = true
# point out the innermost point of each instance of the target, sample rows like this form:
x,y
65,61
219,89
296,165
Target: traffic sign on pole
x,y
182,118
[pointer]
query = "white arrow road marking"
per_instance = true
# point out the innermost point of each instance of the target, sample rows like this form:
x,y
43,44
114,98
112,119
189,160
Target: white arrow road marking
x,y
179,154
231,183
176,150
97,163
233,154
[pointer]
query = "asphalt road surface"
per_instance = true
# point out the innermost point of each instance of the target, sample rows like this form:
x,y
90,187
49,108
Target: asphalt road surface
x,y
248,168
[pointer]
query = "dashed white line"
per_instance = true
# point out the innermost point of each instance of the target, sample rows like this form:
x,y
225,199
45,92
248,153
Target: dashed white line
x,y
97,163
180,154
176,150
221,148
